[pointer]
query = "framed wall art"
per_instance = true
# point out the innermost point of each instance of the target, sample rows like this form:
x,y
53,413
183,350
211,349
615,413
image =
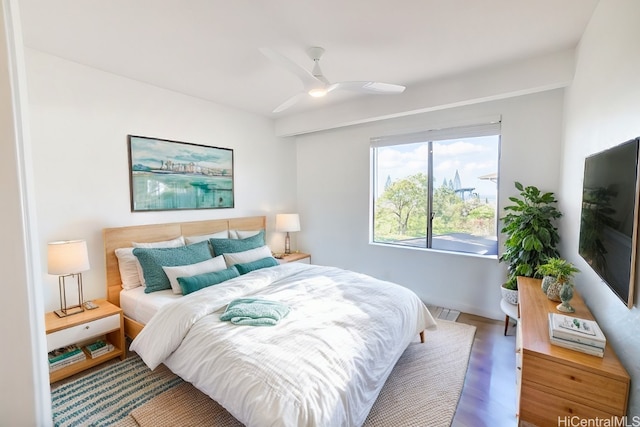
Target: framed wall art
x,y
172,175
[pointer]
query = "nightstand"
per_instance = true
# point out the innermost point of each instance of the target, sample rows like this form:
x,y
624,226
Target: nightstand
x,y
295,257
106,321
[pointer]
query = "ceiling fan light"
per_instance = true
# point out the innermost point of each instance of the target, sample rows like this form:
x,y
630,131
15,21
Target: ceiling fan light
x,y
318,92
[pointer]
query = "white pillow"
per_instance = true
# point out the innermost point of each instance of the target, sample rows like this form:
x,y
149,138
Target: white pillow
x,y
242,234
173,243
247,256
197,239
128,266
208,266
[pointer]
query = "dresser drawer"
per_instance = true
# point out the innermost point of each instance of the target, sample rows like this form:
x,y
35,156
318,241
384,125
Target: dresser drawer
x,y
82,332
542,408
594,390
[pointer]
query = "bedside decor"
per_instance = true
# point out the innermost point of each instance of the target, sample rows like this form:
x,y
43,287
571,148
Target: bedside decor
x,y
566,294
171,175
556,284
68,259
287,223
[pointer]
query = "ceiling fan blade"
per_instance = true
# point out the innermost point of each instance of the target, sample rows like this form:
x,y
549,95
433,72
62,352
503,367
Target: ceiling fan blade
x,y
308,79
368,87
289,102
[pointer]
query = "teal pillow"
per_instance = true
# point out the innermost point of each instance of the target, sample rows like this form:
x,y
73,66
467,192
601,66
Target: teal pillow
x,y
200,281
256,265
222,246
153,259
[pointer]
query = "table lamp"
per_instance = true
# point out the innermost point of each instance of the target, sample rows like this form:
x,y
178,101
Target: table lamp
x,y
65,259
287,223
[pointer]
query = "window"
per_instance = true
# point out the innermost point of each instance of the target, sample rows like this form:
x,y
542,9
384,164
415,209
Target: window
x,y
437,189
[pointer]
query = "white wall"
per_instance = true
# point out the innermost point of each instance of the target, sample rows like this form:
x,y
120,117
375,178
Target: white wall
x,y
24,397
80,120
603,110
333,197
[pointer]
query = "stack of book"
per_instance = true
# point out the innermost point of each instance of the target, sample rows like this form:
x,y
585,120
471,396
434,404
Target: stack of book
x,y
65,356
576,334
99,348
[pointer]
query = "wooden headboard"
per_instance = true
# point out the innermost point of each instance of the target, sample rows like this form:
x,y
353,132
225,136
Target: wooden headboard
x,y
122,237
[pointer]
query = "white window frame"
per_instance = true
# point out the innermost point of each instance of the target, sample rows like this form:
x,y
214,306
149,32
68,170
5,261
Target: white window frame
x,y
488,127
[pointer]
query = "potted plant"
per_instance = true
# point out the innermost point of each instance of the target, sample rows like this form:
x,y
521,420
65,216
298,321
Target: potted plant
x,y
531,234
556,282
555,273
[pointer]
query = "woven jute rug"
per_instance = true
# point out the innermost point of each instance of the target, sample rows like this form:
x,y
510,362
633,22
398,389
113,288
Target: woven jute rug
x,y
423,389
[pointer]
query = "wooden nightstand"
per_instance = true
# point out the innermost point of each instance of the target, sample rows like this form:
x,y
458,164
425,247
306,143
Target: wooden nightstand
x,y
105,321
295,257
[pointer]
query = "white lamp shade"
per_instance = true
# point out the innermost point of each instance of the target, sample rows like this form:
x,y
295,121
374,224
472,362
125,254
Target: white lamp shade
x,y
287,222
67,257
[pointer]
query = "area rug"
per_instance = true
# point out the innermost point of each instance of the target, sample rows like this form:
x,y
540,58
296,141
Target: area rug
x,y
109,394
423,389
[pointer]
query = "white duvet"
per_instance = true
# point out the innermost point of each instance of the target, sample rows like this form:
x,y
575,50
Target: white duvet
x,y
322,365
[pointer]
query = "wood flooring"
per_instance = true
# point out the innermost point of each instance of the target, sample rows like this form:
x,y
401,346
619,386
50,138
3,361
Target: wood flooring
x,y
489,393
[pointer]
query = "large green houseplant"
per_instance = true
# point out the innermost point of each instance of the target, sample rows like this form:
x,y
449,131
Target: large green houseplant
x,y
531,234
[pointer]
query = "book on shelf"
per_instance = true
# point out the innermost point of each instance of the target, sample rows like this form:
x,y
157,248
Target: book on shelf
x,y
62,363
574,345
575,329
63,353
99,348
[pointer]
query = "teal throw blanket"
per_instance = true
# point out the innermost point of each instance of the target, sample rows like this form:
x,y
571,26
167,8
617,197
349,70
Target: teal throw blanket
x,y
255,312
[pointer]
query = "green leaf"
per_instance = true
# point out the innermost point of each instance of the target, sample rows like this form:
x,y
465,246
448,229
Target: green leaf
x,y
531,236
528,242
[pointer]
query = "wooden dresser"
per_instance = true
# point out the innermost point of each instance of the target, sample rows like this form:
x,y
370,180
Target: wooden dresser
x,y
556,383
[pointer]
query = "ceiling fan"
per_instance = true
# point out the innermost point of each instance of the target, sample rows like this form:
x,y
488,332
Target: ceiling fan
x,y
317,85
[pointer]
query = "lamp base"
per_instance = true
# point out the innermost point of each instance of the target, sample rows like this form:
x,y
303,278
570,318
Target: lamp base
x,y
74,309
287,244
69,311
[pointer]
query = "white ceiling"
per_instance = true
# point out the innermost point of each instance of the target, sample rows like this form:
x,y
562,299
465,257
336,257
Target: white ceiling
x,y
209,48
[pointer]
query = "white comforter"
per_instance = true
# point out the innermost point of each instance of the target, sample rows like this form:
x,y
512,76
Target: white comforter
x,y
322,365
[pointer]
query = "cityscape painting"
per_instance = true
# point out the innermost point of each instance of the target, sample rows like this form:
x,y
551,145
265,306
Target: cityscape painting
x,y
171,175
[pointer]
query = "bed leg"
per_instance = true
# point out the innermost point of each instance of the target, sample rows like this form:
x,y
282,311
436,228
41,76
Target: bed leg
x,y
422,337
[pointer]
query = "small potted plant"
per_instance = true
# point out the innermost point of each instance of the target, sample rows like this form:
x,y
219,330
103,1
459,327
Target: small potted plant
x,y
557,273
531,234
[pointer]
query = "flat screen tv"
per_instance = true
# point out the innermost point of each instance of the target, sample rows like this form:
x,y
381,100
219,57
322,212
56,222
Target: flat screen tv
x,y
609,220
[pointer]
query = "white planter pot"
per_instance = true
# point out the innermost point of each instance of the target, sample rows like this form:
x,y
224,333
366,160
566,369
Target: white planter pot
x,y
509,295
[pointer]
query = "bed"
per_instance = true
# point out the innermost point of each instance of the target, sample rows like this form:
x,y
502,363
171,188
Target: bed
x,y
122,237
322,365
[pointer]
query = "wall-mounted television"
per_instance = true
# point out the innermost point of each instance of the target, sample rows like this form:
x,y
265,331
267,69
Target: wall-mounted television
x,y
609,220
